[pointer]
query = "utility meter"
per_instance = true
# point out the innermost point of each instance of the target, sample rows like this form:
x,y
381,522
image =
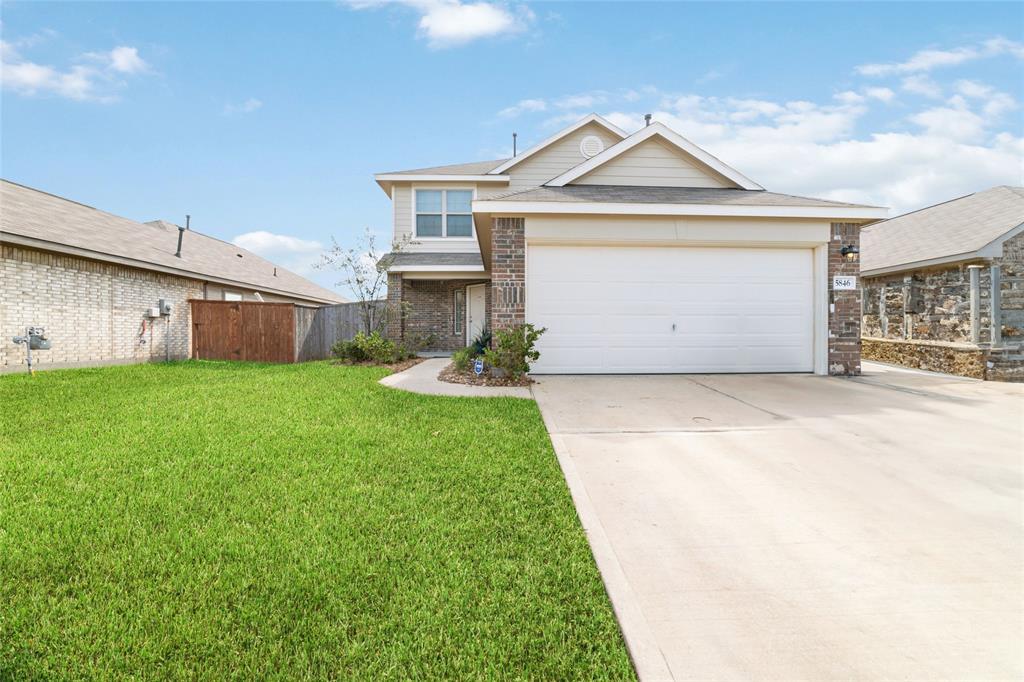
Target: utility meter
x,y
165,306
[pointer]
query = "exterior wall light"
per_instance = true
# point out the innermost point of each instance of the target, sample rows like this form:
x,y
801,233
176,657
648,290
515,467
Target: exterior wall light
x,y
850,252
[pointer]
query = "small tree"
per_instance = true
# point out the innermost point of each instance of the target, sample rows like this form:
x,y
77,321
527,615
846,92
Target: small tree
x,y
365,271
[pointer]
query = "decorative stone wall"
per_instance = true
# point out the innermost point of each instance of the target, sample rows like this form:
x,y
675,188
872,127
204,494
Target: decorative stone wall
x,y
421,307
964,360
935,304
94,313
508,272
844,311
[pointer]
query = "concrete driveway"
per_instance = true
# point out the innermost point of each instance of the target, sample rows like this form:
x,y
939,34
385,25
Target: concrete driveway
x,y
793,527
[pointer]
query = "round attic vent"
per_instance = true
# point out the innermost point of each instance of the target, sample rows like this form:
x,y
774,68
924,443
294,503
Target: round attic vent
x,y
591,146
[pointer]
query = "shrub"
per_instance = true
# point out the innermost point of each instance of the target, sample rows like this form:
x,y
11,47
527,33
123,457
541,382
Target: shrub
x,y
514,350
481,343
461,359
374,348
350,351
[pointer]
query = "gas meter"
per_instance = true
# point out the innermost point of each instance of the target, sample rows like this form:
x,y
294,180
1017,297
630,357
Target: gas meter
x,y
35,339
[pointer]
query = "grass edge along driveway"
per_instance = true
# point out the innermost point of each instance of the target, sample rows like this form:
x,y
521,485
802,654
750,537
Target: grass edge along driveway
x,y
211,520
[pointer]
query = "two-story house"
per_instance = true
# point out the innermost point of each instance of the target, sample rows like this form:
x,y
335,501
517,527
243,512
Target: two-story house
x,y
639,253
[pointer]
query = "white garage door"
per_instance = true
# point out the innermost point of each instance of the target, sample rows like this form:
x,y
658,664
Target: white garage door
x,y
671,309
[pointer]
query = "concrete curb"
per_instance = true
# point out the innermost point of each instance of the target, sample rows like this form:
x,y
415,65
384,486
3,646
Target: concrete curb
x,y
648,660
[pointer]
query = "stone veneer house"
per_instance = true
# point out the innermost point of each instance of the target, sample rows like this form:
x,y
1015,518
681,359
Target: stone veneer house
x,y
943,287
89,278
639,253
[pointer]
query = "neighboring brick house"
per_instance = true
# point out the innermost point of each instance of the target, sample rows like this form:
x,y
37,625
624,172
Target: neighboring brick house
x,y
90,278
943,287
640,253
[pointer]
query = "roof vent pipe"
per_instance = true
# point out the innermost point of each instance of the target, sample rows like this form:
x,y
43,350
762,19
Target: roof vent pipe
x,y
647,120
513,145
181,233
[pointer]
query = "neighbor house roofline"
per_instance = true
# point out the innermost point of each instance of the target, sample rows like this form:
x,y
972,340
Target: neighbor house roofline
x,y
994,249
670,136
592,118
513,208
56,247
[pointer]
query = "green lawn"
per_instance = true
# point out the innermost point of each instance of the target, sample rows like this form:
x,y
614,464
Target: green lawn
x,y
212,520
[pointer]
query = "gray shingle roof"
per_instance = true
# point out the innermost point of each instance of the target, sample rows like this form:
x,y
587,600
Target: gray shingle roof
x,y
663,195
472,168
960,226
36,215
453,259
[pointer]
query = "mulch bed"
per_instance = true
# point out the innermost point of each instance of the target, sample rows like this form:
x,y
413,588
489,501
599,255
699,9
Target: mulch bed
x,y
395,367
453,376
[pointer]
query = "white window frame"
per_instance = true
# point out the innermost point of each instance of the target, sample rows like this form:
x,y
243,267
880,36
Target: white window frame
x,y
232,295
444,213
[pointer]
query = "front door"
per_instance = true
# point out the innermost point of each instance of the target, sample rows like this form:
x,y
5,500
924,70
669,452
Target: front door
x,y
476,311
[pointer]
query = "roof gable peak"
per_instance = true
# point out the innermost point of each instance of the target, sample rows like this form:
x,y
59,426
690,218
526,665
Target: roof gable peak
x,y
586,120
663,132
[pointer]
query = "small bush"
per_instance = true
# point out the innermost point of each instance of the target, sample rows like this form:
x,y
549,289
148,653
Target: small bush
x,y
373,348
349,351
461,359
514,350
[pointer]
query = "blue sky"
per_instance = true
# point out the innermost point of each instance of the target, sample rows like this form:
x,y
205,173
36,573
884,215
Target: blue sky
x,y
266,121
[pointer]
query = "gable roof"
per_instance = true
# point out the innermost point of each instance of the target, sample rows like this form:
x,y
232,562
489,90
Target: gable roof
x,y
592,118
970,227
35,218
671,137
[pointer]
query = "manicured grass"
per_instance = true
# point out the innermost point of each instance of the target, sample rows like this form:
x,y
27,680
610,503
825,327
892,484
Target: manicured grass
x,y
214,520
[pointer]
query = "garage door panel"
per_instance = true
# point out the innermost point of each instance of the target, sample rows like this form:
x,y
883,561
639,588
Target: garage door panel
x,y
612,309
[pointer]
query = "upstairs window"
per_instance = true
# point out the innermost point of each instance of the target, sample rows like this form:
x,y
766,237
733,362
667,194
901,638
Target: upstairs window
x,y
444,213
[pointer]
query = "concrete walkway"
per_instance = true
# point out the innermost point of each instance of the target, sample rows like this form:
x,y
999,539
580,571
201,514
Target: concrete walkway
x,y
793,527
422,378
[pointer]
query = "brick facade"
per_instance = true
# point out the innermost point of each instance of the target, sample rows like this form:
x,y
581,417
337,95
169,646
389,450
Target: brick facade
x,y
429,308
508,272
94,313
844,306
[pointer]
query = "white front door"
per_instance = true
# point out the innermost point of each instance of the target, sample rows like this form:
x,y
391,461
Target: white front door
x,y
476,311
611,309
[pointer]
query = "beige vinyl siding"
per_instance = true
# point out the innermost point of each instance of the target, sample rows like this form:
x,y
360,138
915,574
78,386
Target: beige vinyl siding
x,y
215,292
402,199
557,158
653,164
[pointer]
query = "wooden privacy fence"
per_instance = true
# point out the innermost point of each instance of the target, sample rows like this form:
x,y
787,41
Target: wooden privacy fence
x,y
270,332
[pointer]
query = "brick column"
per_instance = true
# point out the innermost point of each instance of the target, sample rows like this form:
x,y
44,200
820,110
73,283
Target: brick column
x,y
508,272
394,326
844,308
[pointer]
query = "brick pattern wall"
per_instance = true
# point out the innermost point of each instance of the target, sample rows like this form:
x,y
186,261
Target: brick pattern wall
x,y
508,272
93,312
393,323
845,312
430,309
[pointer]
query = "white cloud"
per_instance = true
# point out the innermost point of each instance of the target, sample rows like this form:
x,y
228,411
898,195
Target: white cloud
x,y
247,107
583,100
451,23
881,94
955,122
924,61
523,105
292,253
995,104
922,85
124,59
94,80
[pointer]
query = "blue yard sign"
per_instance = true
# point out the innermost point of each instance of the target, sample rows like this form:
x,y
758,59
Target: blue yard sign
x,y
478,367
